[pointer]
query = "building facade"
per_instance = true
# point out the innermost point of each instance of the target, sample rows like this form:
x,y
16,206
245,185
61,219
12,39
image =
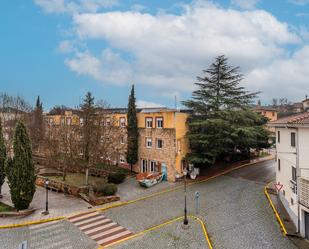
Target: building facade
x,y
162,137
292,171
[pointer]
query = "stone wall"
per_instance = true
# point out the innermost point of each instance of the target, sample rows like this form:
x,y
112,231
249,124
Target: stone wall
x,y
165,155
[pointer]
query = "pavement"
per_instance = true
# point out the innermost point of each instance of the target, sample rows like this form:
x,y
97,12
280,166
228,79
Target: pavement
x,y
233,207
58,203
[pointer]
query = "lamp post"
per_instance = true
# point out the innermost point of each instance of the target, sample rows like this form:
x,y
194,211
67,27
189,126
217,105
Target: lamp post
x,y
46,212
185,220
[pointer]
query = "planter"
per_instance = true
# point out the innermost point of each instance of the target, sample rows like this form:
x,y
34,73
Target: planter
x,y
96,201
21,213
59,186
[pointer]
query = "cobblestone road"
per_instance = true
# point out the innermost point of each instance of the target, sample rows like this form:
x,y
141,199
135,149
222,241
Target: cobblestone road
x,y
171,236
235,210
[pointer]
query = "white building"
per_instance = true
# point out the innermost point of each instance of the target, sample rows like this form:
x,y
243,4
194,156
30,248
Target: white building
x,y
292,139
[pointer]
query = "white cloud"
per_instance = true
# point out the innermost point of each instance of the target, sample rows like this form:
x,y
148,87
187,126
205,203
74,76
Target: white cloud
x,y
74,6
165,52
108,67
147,104
299,2
245,4
168,51
284,77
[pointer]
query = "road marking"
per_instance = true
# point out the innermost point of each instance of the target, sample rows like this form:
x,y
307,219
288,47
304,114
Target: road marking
x,y
283,229
99,228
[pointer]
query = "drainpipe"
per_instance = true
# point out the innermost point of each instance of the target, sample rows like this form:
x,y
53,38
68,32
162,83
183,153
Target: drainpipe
x,y
297,181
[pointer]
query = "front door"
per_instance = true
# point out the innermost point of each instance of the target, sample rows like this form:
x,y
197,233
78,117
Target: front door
x,y
307,225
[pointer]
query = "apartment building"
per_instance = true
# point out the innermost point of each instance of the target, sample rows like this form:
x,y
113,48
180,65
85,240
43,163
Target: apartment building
x,y
162,137
292,171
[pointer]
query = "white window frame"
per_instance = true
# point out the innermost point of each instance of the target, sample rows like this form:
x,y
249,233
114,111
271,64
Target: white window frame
x,y
147,121
152,166
157,143
144,166
81,121
122,140
122,122
108,122
159,120
69,120
148,139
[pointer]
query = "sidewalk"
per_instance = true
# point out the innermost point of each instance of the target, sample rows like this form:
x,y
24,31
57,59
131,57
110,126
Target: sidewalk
x,y
61,205
289,225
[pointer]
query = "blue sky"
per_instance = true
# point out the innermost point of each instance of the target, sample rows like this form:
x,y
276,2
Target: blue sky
x,y
60,49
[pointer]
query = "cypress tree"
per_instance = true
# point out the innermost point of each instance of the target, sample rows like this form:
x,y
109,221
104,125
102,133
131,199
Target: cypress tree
x,y
2,157
132,131
20,170
37,126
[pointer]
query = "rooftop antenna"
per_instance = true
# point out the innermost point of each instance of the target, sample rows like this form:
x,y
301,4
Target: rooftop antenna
x,y
175,102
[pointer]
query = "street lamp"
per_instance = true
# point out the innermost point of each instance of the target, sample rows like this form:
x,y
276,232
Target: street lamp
x,y
46,182
185,221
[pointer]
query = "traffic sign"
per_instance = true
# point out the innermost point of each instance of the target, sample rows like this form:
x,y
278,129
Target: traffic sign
x,y
278,186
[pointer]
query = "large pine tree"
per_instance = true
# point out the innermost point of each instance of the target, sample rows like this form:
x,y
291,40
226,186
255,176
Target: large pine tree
x,y
222,122
2,157
132,131
20,170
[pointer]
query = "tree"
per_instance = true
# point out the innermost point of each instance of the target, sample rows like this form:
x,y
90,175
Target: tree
x,y
37,126
2,157
132,131
20,170
274,103
222,122
88,116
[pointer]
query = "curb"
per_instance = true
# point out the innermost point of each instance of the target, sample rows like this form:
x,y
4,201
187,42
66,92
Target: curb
x,y
138,199
283,229
162,225
35,222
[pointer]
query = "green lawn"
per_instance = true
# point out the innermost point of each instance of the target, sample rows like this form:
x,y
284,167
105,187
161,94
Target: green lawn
x,y
5,208
78,179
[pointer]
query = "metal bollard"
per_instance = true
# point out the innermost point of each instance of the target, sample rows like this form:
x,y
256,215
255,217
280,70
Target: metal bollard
x,y
23,245
197,196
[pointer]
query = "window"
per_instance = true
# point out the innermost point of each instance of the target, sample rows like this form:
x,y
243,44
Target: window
x,y
159,143
152,166
62,121
122,140
81,121
278,136
51,121
159,122
148,122
108,122
292,201
293,139
279,164
122,122
69,121
293,174
273,114
283,192
144,165
148,143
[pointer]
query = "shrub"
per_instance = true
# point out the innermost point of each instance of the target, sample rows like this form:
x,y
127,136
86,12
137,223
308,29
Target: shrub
x,y
108,189
116,177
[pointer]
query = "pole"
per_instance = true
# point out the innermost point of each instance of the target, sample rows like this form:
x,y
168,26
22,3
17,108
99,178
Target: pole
x,y
185,221
46,210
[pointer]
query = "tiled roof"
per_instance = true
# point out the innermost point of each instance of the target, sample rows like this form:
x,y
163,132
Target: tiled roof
x,y
297,119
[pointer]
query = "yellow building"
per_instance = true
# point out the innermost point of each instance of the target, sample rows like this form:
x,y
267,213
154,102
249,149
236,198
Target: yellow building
x,y
162,137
